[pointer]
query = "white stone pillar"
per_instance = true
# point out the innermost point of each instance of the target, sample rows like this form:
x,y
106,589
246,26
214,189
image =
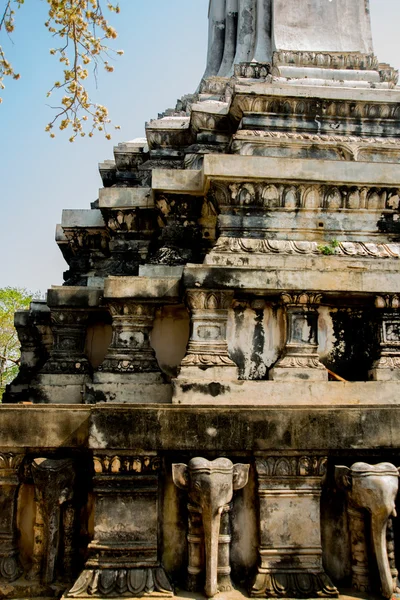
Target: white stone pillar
x,y
216,37
231,23
263,49
246,32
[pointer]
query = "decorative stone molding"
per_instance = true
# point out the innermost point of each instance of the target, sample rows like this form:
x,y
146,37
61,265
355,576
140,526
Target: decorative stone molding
x,y
258,196
370,489
207,344
123,561
300,356
10,568
227,245
130,350
69,333
253,70
259,134
54,481
289,490
210,486
325,60
81,239
387,366
315,107
126,464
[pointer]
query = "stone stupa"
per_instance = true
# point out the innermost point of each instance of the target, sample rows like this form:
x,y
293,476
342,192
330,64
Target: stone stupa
x,y
214,394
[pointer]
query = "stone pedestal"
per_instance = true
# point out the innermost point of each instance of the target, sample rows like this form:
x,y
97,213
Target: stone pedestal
x,y
300,357
289,490
130,372
123,558
207,352
62,378
387,366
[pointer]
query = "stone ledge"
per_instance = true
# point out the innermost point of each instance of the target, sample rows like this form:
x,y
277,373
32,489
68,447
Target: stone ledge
x,y
358,281
160,427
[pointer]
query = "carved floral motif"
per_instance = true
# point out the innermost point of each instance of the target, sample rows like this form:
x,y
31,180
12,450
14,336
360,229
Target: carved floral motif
x,y
257,246
104,465
120,583
257,196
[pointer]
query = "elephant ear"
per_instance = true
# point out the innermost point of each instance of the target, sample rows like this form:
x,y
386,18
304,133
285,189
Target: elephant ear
x,y
180,476
343,477
240,476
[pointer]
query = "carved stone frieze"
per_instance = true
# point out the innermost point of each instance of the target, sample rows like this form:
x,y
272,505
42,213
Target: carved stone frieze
x,y
207,344
316,107
289,490
141,222
10,568
254,70
260,134
210,486
228,245
325,60
104,464
371,492
266,196
204,121
300,358
81,239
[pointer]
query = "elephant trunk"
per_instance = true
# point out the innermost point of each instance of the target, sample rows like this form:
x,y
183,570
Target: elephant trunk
x,y
211,526
379,526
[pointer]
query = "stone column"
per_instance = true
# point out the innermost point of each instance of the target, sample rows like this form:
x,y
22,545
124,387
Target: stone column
x,y
216,37
226,68
54,487
207,352
263,49
10,568
130,350
246,33
387,366
123,557
69,333
289,490
300,357
130,365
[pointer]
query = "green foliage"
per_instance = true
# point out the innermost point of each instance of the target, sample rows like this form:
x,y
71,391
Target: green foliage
x,y
11,300
329,249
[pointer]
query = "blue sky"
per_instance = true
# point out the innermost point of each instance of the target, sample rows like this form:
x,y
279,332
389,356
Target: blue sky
x,y
165,51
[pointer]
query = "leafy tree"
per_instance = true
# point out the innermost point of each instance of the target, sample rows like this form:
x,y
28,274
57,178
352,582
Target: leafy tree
x,y
11,300
83,34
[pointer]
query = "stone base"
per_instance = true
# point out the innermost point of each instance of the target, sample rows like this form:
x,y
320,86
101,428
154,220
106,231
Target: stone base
x,y
209,373
121,583
302,374
290,584
22,588
284,393
58,388
131,388
384,374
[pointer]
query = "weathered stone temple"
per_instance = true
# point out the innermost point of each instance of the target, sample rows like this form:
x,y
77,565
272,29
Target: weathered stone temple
x,y
213,397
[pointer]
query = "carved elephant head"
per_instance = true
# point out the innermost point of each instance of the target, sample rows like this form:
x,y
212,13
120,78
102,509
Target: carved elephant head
x,y
210,485
374,488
